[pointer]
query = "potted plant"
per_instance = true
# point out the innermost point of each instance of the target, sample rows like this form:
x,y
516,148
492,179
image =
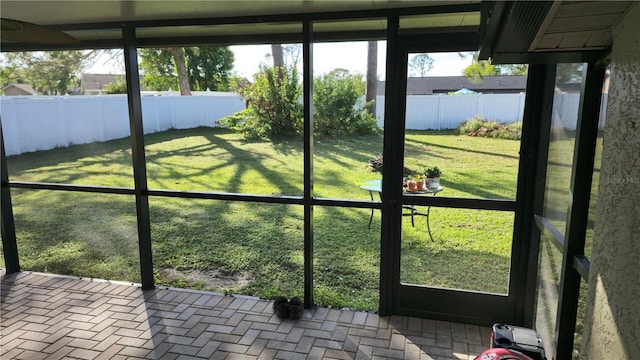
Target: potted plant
x,y
420,182
433,177
412,184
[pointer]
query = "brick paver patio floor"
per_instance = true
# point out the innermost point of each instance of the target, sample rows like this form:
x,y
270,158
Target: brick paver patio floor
x,y
56,317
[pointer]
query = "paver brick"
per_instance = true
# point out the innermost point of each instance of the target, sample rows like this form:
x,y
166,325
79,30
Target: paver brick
x,y
109,352
30,355
91,319
208,349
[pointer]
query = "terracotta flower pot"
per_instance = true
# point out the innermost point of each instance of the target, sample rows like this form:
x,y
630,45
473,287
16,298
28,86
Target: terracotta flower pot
x,y
412,186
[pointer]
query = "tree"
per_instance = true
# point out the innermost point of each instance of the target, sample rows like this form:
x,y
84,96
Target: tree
x,y
513,69
278,59
158,68
50,73
181,69
204,68
372,76
118,86
209,68
421,64
286,56
478,69
337,105
277,55
273,106
292,55
8,75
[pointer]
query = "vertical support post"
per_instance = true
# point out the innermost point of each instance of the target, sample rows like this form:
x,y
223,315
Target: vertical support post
x,y
7,224
534,145
307,85
138,155
578,214
393,150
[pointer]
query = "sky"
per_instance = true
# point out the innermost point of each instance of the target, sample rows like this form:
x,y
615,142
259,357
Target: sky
x,y
351,56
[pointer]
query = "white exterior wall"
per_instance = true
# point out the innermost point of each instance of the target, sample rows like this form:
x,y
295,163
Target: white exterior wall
x,y
612,320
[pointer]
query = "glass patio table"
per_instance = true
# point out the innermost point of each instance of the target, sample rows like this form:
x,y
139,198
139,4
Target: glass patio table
x,y
375,186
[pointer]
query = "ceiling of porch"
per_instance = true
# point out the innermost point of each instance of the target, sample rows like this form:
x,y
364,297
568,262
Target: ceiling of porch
x,y
522,31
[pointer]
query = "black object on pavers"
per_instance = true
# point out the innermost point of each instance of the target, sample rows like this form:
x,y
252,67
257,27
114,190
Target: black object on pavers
x,y
521,339
281,307
295,308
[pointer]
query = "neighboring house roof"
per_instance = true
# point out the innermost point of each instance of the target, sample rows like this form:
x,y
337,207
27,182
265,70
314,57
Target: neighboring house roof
x,y
446,84
94,83
18,89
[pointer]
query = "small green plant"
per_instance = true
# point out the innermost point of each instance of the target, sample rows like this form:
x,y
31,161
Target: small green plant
x,y
432,172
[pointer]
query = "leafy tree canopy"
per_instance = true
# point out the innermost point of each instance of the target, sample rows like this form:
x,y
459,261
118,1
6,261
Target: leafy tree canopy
x,y
273,107
50,73
207,68
338,105
478,69
118,86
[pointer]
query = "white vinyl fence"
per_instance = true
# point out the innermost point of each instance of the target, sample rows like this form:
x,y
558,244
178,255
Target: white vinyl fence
x,y
442,112
40,123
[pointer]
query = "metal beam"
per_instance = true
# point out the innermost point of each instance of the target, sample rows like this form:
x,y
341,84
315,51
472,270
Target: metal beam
x,y
393,148
7,224
138,156
307,93
278,18
531,178
241,39
578,214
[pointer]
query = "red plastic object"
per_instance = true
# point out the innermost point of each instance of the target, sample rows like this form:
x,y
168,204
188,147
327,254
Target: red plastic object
x,y
501,354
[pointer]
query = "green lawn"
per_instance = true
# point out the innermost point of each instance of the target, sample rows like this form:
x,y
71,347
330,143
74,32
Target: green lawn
x,y
257,249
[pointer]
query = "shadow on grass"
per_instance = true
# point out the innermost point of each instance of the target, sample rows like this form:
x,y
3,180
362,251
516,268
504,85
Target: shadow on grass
x,y
447,266
95,235
88,235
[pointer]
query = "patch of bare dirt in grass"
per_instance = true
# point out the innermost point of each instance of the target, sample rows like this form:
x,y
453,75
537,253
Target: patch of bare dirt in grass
x,y
211,279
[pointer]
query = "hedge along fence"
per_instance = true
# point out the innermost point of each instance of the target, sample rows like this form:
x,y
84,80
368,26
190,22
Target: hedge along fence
x,y
40,123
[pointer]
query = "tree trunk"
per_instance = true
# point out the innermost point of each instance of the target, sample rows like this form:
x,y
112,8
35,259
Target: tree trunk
x,y
183,78
372,75
278,58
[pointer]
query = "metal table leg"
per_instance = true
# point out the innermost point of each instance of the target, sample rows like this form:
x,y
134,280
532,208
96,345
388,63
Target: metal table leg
x,y
372,209
428,225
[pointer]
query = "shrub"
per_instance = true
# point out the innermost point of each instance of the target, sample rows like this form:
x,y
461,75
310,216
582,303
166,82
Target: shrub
x,y
118,86
485,128
338,109
509,131
273,107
